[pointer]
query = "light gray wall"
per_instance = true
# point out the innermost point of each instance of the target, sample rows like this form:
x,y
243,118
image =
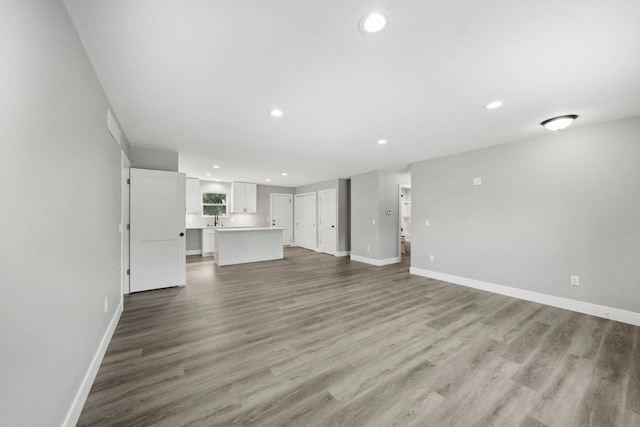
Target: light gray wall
x,y
372,194
567,203
344,215
60,181
365,207
151,158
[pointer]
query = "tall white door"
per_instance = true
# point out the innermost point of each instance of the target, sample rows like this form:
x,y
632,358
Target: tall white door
x,y
281,212
158,249
305,220
327,221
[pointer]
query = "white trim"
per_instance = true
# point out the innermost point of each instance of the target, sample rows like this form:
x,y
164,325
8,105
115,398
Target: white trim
x,y
376,262
194,252
616,314
85,387
342,253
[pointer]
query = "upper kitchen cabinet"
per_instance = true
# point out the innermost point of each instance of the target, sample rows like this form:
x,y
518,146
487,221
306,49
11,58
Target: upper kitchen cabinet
x,y
194,201
244,197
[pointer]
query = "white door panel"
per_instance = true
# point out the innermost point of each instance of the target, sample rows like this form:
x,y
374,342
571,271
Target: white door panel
x,y
281,212
305,220
327,221
157,229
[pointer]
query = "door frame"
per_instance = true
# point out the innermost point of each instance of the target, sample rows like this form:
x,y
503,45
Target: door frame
x,y
290,196
125,238
400,187
319,209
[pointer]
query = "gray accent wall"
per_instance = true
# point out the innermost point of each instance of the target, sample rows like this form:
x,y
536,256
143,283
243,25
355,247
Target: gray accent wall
x,y
60,179
372,194
566,203
151,158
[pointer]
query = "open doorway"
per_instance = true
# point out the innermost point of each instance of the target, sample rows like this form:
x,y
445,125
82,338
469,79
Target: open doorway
x,y
405,220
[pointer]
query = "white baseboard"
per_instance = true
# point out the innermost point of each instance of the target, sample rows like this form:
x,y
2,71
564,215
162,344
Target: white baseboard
x,y
85,387
616,314
342,253
376,262
194,252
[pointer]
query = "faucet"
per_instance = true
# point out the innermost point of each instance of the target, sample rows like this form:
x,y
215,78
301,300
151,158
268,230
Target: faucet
x,y
215,220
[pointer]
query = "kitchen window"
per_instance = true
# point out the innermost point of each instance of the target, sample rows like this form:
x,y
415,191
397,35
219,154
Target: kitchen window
x,y
214,203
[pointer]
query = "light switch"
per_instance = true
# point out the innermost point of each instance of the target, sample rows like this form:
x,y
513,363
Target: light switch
x,y
427,223
373,221
477,181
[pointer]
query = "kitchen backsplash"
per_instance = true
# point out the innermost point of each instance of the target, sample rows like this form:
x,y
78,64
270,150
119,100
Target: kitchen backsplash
x,y
196,220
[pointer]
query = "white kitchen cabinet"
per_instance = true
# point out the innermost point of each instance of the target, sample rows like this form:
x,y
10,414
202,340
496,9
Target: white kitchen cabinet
x,y
194,201
208,242
244,197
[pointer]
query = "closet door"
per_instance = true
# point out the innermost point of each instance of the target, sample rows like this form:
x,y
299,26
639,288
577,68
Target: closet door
x,y
305,220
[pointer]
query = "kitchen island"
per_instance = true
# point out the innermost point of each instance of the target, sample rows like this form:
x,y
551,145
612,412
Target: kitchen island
x,y
242,245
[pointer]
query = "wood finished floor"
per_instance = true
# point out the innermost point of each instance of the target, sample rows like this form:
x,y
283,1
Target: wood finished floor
x,y
317,340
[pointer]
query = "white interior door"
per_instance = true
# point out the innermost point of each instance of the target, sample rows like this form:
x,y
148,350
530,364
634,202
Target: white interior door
x,y
281,213
158,248
298,215
305,220
327,221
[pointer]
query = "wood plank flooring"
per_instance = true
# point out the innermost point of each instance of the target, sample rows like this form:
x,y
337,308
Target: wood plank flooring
x,y
314,340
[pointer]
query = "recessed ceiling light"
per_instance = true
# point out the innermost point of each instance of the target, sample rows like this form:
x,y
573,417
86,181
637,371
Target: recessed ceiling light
x,y
207,174
382,141
374,22
268,179
276,112
493,105
216,166
284,174
560,122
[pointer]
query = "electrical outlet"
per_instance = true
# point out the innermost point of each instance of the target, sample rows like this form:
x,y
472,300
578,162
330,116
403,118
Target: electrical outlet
x,y
427,223
368,248
477,181
575,280
388,211
432,258
106,304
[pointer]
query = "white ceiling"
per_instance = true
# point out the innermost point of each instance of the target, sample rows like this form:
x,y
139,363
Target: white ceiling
x,y
199,77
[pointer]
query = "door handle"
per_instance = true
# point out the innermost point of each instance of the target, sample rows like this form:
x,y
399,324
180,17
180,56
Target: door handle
x,y
181,234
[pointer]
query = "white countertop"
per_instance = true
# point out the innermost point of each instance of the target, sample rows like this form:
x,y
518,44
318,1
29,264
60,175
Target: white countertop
x,y
230,229
204,227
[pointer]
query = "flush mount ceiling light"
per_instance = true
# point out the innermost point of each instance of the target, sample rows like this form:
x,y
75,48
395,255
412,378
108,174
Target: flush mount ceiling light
x,y
276,112
284,174
216,166
374,22
382,141
493,105
560,122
